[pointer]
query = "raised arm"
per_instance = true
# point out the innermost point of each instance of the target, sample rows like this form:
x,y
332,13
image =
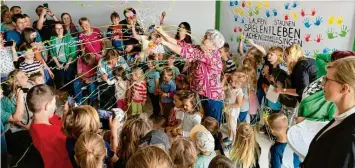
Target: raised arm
x,y
166,36
241,47
260,48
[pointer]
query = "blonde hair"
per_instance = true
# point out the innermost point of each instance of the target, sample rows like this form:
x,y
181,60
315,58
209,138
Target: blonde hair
x,y
344,65
245,147
278,51
89,150
250,72
294,54
81,119
12,78
139,72
150,157
183,153
277,121
253,52
132,131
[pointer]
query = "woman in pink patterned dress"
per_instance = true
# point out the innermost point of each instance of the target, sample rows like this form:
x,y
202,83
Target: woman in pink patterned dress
x,y
207,71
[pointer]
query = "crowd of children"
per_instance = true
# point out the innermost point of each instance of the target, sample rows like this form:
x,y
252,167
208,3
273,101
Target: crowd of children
x,y
192,135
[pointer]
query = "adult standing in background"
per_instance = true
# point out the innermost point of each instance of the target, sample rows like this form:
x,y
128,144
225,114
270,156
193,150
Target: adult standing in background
x,y
333,146
91,38
208,68
6,21
303,71
44,25
130,20
69,26
15,10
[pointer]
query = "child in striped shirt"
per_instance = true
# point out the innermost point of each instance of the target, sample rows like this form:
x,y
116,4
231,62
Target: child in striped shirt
x,y
228,63
29,65
139,91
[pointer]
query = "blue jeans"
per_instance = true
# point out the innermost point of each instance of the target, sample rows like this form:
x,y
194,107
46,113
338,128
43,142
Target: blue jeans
x,y
260,94
243,116
212,108
78,85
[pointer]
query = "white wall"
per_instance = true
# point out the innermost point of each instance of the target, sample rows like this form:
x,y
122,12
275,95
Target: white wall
x,y
324,10
200,14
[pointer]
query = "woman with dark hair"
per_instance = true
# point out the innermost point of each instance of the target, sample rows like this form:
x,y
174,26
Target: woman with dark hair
x,y
129,21
183,33
68,25
29,36
63,52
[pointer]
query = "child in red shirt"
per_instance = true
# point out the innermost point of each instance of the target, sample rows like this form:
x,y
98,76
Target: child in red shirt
x,y
46,127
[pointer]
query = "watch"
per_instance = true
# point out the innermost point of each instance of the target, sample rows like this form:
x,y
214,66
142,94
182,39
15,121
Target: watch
x,y
284,90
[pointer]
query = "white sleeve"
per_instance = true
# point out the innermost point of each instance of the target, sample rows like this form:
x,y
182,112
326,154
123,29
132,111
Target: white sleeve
x,y
179,115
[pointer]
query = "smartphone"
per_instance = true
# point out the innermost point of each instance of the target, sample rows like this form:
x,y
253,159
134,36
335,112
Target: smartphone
x,y
104,114
45,5
8,43
119,113
71,101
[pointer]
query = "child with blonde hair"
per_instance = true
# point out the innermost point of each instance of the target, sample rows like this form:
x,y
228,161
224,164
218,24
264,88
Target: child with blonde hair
x,y
150,157
138,91
246,151
83,119
90,150
133,130
183,153
233,101
281,154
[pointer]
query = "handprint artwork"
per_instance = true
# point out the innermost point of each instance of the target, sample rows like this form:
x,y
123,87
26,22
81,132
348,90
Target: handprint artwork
x,y
315,52
250,12
318,21
307,53
339,20
249,3
286,16
319,38
287,6
236,18
243,4
307,37
268,13
344,30
306,23
313,12
303,13
256,11
295,4
259,5
331,34
325,50
331,20
274,12
294,15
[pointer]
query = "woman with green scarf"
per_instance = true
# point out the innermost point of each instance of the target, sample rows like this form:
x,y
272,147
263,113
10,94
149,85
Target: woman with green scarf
x,y
313,105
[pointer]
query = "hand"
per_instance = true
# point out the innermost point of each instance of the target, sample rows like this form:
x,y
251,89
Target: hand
x,y
60,66
51,74
278,90
299,119
114,124
179,131
66,67
159,29
19,95
50,13
226,76
251,41
86,80
116,37
13,47
266,70
44,11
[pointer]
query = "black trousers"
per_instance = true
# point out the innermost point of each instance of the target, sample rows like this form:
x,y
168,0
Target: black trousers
x,y
155,103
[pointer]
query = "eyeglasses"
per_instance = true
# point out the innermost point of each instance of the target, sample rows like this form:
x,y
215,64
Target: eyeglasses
x,y
325,79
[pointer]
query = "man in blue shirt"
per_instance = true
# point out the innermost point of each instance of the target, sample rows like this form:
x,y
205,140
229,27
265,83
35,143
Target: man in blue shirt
x,y
15,35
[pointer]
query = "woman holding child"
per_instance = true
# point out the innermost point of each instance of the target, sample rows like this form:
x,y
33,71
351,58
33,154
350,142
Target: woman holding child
x,y
333,146
207,73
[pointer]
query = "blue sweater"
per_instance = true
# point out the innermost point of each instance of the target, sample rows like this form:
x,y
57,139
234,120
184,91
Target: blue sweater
x,y
277,151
